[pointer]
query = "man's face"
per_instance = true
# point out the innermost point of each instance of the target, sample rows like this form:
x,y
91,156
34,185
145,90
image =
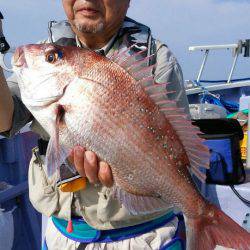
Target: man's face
x,y
94,16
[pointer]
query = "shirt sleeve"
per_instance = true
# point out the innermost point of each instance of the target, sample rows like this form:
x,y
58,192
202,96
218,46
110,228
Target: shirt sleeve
x,y
21,115
169,71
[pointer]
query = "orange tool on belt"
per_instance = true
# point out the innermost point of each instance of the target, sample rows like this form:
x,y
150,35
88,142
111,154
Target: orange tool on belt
x,y
74,185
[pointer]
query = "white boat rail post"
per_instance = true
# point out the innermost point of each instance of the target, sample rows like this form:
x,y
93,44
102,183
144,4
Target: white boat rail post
x,y
236,52
237,49
203,65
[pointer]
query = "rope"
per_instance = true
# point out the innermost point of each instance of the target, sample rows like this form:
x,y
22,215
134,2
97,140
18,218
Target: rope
x,y
208,97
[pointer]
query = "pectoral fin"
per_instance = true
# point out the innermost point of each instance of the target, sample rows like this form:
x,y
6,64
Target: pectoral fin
x,y
56,155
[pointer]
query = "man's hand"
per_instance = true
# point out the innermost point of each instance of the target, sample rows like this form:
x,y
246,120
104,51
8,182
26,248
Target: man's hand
x,y
88,165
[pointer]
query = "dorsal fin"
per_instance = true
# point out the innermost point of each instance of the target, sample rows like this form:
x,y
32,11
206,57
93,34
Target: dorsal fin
x,y
144,72
146,81
121,55
139,68
126,57
134,58
135,62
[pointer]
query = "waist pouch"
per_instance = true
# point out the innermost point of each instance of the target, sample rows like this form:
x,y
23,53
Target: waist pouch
x,y
222,136
84,233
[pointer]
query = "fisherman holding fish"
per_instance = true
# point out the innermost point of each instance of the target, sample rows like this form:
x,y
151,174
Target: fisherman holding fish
x,y
115,209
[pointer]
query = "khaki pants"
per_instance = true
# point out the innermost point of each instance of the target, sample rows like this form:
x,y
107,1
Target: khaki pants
x,y
149,241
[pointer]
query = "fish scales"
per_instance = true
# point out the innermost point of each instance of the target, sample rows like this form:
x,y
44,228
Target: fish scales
x,y
139,138
107,97
106,110
109,126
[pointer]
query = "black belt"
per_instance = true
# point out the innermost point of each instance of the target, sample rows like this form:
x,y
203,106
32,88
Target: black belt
x,y
42,146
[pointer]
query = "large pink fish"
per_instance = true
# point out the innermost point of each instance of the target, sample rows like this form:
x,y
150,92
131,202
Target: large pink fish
x,y
114,108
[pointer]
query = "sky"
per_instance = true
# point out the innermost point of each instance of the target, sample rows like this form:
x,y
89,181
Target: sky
x,y
178,23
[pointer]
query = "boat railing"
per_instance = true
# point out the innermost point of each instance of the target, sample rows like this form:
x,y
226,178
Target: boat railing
x,y
237,49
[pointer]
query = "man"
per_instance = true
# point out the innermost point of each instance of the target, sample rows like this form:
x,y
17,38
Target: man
x,y
99,25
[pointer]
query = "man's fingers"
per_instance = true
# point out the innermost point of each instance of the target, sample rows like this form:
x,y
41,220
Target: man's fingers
x,y
79,160
105,175
91,166
86,163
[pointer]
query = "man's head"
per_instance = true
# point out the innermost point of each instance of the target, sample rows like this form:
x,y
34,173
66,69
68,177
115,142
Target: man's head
x,y
95,16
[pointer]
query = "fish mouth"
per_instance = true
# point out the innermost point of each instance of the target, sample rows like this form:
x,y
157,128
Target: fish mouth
x,y
44,102
19,60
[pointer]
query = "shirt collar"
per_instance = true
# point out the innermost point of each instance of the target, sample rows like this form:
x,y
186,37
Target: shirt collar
x,y
104,50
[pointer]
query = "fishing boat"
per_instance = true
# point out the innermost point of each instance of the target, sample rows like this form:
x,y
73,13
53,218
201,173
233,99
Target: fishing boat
x,y
21,225
221,99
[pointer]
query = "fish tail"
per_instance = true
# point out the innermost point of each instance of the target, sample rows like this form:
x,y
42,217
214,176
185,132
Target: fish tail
x,y
215,229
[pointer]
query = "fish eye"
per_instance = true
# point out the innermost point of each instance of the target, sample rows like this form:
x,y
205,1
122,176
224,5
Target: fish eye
x,y
53,56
